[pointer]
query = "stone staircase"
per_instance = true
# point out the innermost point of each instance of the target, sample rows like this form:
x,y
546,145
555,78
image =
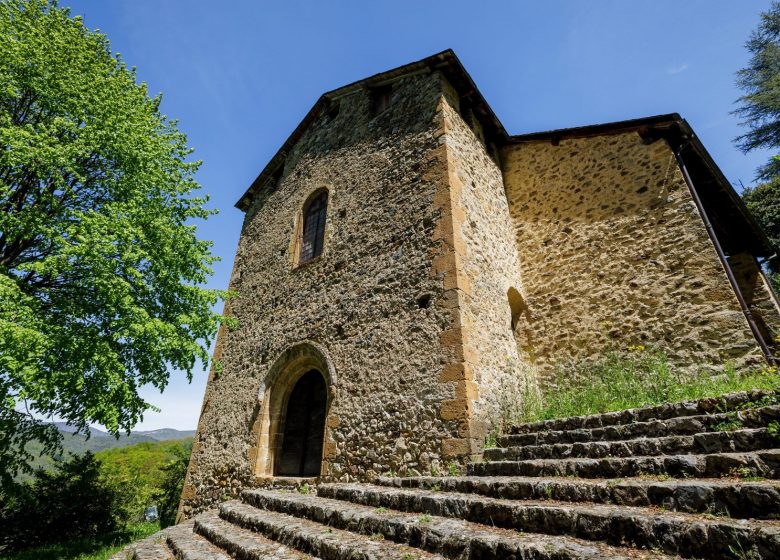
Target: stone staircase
x,y
699,479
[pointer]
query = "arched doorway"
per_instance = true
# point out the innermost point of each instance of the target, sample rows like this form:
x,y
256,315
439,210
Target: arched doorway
x,y
304,427
302,371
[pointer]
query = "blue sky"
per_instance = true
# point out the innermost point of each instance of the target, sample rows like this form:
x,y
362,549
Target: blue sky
x,y
240,75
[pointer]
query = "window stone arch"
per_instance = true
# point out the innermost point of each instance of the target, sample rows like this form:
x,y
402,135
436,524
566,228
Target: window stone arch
x,y
310,232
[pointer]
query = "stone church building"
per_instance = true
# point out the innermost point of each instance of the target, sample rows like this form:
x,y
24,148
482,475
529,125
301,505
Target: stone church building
x,y
405,262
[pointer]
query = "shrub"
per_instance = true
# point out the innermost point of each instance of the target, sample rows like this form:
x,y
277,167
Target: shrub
x,y
71,502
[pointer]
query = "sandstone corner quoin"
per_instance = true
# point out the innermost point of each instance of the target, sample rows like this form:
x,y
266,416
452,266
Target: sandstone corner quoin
x,y
403,258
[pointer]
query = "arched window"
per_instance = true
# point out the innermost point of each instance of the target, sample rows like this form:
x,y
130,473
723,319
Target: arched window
x,y
313,227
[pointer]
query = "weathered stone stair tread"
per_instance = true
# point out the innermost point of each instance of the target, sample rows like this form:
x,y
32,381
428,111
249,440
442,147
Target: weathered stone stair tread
x,y
750,439
762,463
324,542
454,538
150,548
723,403
638,526
738,499
186,545
683,425
242,543
152,551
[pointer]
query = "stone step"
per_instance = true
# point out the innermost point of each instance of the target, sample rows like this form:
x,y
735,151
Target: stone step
x,y
242,543
711,405
705,442
320,540
154,551
153,547
187,545
759,500
684,425
689,535
764,464
453,538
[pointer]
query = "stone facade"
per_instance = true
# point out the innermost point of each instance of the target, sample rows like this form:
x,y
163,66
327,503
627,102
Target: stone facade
x,y
454,258
614,254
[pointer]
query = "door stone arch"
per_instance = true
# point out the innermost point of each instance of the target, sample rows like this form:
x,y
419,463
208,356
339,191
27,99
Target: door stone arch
x,y
302,363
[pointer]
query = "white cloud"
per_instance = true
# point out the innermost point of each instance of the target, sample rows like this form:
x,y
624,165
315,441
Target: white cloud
x,y
672,70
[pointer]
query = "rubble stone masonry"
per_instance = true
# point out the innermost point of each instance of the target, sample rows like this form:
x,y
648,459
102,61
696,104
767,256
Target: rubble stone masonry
x,y
458,263
614,254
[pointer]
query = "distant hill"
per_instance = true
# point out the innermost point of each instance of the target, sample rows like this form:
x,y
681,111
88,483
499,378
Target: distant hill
x,y
73,443
152,435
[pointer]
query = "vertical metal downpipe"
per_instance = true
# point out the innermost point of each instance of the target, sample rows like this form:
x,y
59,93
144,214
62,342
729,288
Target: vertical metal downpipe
x,y
770,358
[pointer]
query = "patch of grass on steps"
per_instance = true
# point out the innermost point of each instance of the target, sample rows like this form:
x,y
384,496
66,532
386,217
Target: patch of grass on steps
x,y
626,379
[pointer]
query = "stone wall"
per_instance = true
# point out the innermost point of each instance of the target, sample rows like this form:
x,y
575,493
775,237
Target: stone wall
x,y
451,270
372,302
489,264
758,295
614,254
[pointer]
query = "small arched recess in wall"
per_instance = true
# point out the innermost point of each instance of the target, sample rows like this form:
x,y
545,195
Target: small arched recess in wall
x,y
520,321
298,363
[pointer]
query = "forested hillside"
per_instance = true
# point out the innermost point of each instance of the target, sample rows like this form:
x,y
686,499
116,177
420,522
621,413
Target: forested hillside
x,y
75,444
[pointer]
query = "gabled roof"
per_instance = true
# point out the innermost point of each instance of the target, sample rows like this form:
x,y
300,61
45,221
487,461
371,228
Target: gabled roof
x,y
642,125
445,62
731,217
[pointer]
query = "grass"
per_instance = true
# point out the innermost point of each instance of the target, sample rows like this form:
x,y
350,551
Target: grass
x,y
86,549
629,379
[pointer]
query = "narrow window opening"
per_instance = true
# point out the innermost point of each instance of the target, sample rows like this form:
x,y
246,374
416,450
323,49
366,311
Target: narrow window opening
x,y
465,112
380,99
276,178
516,306
333,110
313,227
521,325
424,301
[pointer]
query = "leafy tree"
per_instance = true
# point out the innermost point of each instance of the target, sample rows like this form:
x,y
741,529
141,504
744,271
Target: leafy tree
x,y
144,470
760,112
760,105
101,272
170,490
72,502
764,203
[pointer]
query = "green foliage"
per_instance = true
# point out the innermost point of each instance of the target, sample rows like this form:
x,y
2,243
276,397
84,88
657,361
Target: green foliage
x,y
115,484
760,105
629,379
148,473
73,502
101,271
774,429
491,440
763,201
76,444
169,488
731,423
99,548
